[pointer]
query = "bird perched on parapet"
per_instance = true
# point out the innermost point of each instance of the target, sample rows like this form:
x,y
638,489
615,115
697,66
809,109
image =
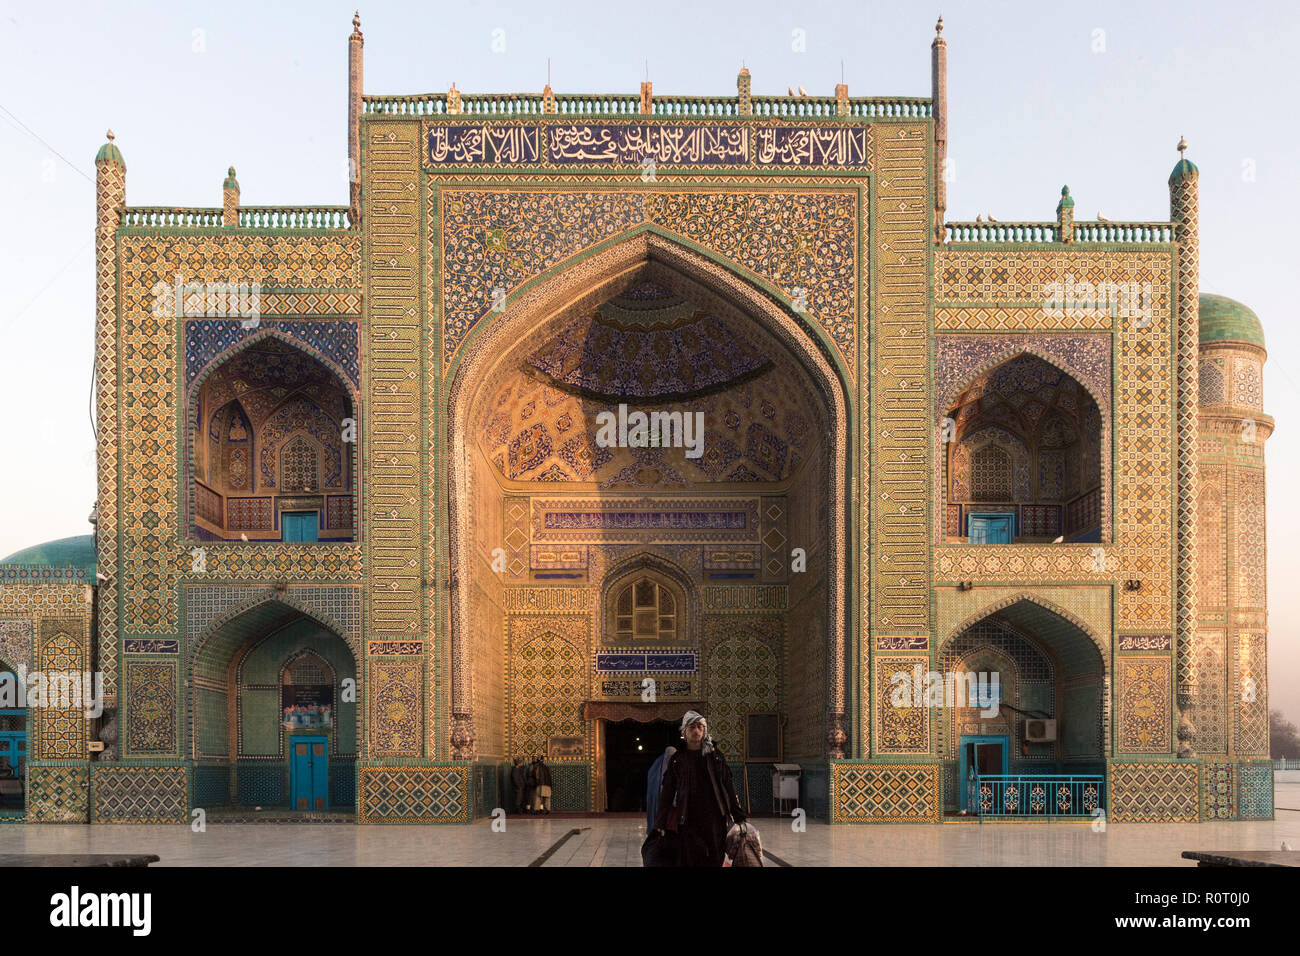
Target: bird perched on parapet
x,y
1101,218
802,91
991,219
979,218
1059,540
789,91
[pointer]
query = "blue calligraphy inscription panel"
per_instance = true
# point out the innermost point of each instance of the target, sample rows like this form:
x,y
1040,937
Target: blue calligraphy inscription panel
x,y
811,146
631,144
469,145
677,145
676,662
645,520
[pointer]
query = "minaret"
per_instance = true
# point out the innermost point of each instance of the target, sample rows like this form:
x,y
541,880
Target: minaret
x,y
355,43
1184,213
1232,599
110,200
939,94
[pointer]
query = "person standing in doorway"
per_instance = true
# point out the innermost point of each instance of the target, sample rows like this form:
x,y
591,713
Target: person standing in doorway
x,y
697,798
543,786
519,782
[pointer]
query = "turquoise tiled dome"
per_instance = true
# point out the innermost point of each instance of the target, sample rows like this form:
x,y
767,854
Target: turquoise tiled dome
x,y
77,551
1227,320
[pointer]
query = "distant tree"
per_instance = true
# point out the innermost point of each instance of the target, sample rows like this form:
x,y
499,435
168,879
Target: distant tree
x,y
1283,737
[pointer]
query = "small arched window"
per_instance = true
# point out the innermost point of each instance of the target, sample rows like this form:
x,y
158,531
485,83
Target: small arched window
x,y
645,610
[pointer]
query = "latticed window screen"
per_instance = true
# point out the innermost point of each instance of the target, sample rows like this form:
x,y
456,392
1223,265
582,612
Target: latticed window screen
x,y
645,611
307,669
299,465
990,469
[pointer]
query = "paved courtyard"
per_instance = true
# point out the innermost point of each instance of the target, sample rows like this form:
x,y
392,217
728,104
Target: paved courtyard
x,y
616,842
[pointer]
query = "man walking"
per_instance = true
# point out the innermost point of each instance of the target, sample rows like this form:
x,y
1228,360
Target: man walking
x,y
697,799
654,780
543,786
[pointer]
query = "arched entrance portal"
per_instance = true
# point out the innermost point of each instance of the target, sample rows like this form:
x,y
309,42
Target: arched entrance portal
x,y
1048,716
647,489
273,712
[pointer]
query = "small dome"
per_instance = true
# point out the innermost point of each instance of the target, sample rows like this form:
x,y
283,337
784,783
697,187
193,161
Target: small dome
x,y
77,551
1183,169
109,153
1227,320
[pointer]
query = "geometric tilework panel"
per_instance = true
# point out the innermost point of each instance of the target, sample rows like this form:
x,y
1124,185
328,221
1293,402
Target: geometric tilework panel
x,y
548,683
741,676
343,783
337,606
1251,694
261,784
57,794
413,795
569,787
1219,796
61,732
885,793
1154,792
151,707
138,795
211,785
1255,791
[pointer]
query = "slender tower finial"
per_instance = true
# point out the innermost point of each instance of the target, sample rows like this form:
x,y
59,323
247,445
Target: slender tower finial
x,y
1182,148
939,99
355,44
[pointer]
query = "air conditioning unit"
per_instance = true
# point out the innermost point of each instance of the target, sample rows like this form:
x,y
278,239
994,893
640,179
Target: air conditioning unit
x,y
1040,731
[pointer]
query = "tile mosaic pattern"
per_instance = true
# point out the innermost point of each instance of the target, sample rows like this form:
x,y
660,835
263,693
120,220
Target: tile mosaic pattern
x,y
899,498
898,730
139,795
1255,791
413,795
151,703
500,239
58,794
60,733
1144,704
1219,791
1154,793
885,793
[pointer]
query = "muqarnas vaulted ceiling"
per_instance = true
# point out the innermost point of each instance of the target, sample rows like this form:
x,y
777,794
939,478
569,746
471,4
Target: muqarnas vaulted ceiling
x,y
652,350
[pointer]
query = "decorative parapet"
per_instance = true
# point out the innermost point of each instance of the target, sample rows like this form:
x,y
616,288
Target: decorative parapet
x,y
617,104
1039,232
250,217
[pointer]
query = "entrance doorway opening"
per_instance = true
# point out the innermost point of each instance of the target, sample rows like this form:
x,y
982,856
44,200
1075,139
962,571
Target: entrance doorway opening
x,y
981,755
631,746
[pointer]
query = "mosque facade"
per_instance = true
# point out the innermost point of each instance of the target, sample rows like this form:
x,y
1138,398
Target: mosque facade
x,y
588,410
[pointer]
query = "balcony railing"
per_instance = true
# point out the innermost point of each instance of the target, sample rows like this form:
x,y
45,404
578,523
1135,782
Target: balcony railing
x,y
1089,232
510,105
250,217
1035,796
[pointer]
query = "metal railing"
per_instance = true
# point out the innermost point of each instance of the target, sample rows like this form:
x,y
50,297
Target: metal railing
x,y
1039,796
1286,763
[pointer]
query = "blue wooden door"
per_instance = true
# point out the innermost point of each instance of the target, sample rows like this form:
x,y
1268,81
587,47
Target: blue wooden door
x,y
13,767
996,528
299,525
309,773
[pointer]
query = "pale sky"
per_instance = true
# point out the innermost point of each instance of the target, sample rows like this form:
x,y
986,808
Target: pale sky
x,y
1038,98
